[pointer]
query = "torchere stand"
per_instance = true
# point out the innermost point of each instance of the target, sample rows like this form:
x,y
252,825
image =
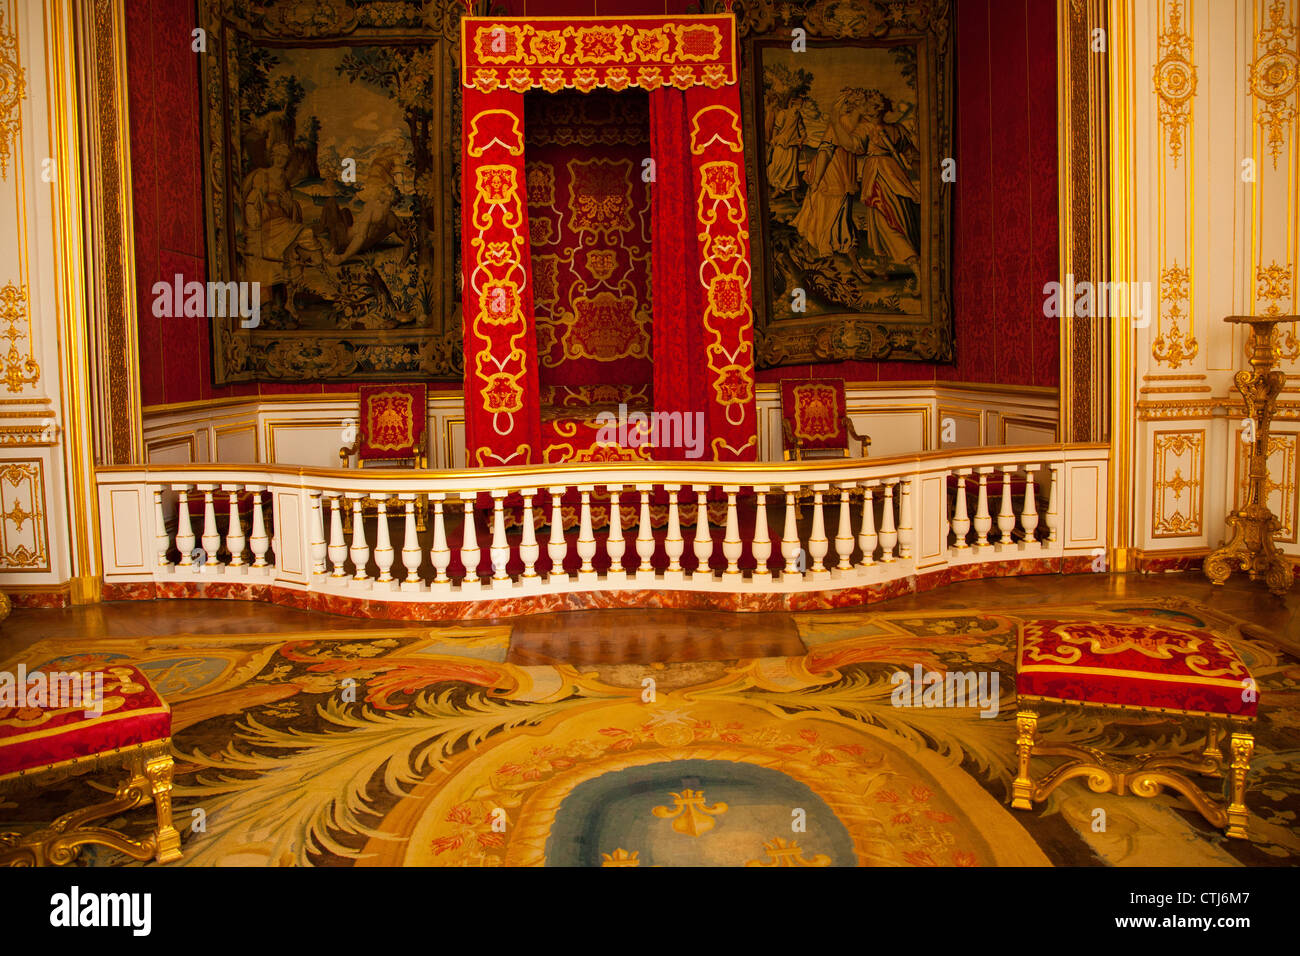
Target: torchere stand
x,y
1251,546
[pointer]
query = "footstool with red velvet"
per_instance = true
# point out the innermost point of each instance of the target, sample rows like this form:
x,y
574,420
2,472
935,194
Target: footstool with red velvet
x,y
1144,667
41,746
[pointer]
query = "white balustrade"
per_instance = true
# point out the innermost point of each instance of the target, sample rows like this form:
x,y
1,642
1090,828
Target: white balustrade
x,y
908,536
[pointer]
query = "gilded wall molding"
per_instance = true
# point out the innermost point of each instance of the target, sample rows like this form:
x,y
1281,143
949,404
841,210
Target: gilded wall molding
x,y
13,90
24,536
1175,77
1084,187
100,51
1178,484
1275,76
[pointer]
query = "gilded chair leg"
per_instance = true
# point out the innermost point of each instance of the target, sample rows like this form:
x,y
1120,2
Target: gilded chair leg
x,y
1213,753
1243,747
158,771
1022,788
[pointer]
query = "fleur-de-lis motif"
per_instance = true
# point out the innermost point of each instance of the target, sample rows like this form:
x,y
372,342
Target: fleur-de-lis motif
x,y
781,853
690,814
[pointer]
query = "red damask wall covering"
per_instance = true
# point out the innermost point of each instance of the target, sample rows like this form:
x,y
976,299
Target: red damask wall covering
x,y
1004,200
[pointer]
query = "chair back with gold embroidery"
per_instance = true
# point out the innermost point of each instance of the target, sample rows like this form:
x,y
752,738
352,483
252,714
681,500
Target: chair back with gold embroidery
x,y
814,419
392,427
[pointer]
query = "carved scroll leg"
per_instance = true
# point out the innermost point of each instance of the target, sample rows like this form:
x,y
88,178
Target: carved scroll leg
x,y
158,771
1022,788
1243,747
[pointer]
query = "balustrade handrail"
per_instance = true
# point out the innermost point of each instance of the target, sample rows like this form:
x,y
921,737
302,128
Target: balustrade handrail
x,y
590,474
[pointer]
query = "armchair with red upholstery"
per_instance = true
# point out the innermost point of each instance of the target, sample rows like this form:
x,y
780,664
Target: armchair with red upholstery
x,y
814,419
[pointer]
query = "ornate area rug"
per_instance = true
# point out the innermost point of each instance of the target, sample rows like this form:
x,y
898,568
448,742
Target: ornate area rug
x,y
420,746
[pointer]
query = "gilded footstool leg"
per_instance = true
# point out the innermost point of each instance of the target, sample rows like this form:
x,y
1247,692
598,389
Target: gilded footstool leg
x,y
158,770
1243,747
1213,753
1022,788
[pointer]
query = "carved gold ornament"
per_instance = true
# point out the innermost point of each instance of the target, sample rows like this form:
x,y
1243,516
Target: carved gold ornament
x,y
18,370
13,89
1175,78
1272,284
1273,75
1173,348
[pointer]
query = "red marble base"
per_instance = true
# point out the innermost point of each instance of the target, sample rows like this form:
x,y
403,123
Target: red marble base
x,y
489,607
51,598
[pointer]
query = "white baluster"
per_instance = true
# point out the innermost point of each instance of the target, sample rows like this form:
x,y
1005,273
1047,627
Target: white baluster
x,y
983,519
818,545
499,551
184,530
234,531
1006,517
411,551
732,546
905,532
258,542
888,533
470,552
1053,518
1029,513
338,549
360,550
615,543
674,544
844,533
556,547
528,548
702,546
439,553
645,539
960,518
211,537
586,537
385,557
867,537
761,547
790,545
161,539
317,535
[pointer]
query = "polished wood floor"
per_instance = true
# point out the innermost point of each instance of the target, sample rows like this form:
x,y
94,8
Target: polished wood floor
x,y
646,636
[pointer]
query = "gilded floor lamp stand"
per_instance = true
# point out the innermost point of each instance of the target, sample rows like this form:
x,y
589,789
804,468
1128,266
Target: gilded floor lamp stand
x,y
1250,547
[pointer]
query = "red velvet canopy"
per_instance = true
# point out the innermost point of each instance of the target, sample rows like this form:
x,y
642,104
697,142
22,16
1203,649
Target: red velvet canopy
x,y
702,325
